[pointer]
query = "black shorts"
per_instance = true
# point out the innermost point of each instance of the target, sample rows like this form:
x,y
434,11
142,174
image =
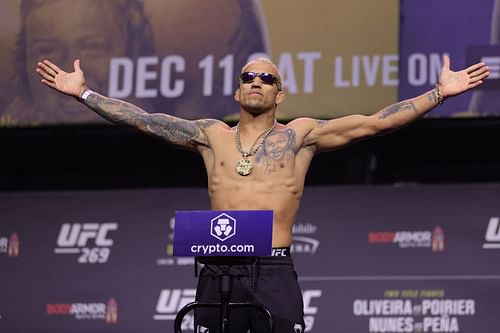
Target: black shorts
x,y
271,281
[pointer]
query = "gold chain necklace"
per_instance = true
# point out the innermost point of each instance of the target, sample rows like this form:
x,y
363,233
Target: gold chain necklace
x,y
244,166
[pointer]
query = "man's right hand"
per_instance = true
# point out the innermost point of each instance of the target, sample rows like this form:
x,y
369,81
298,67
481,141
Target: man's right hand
x,y
72,84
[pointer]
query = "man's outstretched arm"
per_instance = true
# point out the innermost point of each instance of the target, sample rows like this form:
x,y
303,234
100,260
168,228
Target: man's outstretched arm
x,y
333,134
180,132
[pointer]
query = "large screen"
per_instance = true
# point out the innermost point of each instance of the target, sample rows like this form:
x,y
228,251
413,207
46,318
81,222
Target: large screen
x,y
182,57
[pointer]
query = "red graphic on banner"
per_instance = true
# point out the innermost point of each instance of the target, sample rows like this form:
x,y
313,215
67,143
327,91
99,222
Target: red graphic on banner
x,y
13,249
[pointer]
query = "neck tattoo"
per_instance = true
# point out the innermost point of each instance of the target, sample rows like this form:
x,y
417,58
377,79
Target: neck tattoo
x,y
244,166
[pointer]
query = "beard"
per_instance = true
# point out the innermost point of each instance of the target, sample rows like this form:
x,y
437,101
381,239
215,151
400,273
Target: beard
x,y
255,107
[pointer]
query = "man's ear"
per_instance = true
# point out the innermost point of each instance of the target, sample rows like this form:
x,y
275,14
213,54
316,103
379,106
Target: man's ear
x,y
237,95
280,98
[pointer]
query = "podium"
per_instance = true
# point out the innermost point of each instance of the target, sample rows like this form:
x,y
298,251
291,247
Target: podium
x,y
226,239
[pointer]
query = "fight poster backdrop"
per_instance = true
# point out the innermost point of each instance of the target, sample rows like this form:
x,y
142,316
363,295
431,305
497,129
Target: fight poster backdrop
x,y
369,259
184,57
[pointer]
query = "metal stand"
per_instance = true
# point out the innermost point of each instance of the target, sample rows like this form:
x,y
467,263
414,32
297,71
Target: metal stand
x,y
225,294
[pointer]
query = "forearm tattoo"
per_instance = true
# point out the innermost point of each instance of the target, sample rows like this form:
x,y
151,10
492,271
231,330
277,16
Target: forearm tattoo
x,y
433,96
114,110
396,108
171,129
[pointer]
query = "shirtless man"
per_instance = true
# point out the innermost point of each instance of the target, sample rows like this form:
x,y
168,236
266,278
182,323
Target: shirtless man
x,y
244,173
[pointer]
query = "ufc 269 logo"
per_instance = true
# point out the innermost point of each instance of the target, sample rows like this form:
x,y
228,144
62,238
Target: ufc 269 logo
x,y
90,240
492,236
171,301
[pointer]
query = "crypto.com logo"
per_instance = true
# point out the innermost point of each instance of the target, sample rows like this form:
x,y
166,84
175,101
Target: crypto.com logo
x,y
223,227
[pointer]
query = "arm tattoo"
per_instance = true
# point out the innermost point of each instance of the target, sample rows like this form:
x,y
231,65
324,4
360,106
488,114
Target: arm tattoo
x,y
114,110
174,130
433,96
321,123
205,123
396,108
278,149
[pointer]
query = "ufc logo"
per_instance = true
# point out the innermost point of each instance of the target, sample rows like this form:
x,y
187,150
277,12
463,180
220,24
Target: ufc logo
x,y
279,253
308,296
309,310
493,231
172,300
78,234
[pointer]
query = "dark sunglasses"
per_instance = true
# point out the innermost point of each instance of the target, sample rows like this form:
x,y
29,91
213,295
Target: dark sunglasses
x,y
266,78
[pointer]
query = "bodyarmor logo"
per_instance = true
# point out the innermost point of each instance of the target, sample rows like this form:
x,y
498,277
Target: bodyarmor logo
x,y
74,239
86,311
438,239
223,227
492,236
13,250
10,245
111,316
171,301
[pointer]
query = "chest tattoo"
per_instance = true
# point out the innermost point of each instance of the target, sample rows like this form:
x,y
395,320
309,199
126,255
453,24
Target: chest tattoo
x,y
279,148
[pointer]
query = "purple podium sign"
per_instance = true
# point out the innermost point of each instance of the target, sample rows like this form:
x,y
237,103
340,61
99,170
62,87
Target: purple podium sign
x,y
205,233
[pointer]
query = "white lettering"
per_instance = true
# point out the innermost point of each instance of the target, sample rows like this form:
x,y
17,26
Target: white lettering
x,y
287,71
207,65
308,296
424,69
441,324
101,239
461,307
117,64
355,71
382,307
172,300
417,65
391,324
143,75
179,64
370,69
79,234
339,82
390,70
68,234
435,65
88,232
413,237
309,58
493,230
227,64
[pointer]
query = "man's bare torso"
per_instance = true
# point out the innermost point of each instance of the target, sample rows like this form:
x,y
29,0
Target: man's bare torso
x,y
276,182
